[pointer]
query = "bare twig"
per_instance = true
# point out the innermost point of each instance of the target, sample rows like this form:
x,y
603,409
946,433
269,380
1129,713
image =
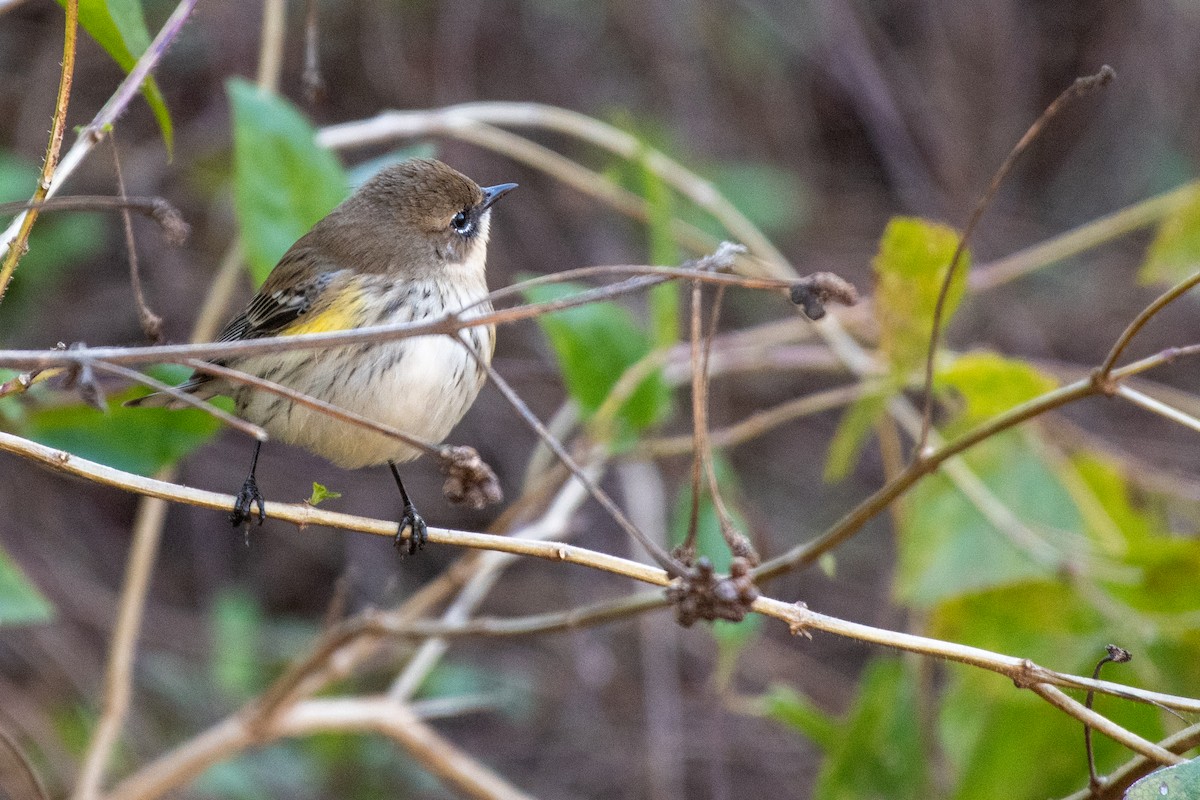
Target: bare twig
x,y
151,322
663,558
378,714
118,680
17,246
169,220
1024,672
314,83
1139,322
108,114
237,423
1157,406
1080,88
1085,237
758,423
270,49
1117,656
1113,786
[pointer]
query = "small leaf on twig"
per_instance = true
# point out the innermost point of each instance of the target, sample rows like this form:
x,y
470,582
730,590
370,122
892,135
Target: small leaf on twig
x,y
320,494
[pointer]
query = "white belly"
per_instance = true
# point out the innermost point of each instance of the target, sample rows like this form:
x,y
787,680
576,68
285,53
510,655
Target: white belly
x,y
421,386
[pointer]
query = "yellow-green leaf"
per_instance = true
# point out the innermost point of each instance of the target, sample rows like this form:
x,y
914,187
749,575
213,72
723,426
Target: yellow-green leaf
x,y
910,267
991,384
1175,252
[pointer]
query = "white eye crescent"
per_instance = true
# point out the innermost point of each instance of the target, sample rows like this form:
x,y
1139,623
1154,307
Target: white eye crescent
x,y
461,223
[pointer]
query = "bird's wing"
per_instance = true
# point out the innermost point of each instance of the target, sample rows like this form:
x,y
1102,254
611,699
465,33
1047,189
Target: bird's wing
x,y
280,302
295,287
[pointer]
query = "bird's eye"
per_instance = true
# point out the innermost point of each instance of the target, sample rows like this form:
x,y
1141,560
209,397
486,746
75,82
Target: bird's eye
x,y
462,223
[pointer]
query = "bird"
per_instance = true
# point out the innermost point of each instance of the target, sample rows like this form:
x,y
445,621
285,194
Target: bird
x,y
409,245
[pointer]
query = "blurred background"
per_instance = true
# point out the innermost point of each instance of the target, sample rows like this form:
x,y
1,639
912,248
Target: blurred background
x,y
820,120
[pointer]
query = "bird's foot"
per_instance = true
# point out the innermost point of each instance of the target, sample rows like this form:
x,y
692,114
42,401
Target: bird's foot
x,y
243,506
418,534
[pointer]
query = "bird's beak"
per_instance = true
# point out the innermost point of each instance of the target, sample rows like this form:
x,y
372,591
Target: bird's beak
x,y
493,193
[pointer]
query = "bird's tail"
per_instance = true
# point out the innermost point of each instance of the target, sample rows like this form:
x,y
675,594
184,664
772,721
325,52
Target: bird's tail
x,y
200,386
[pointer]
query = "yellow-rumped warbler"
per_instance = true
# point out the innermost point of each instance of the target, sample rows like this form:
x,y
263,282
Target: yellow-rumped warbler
x,y
410,244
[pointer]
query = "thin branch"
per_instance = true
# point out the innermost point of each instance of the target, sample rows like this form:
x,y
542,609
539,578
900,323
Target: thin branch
x,y
270,49
799,619
758,423
108,114
1158,407
151,323
17,246
1137,744
237,423
1139,322
398,124
1080,88
118,678
1079,240
1114,785
1117,655
663,558
302,399
168,218
132,84
448,324
395,720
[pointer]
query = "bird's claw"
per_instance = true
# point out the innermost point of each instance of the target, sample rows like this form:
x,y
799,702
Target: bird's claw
x,y
415,525
243,506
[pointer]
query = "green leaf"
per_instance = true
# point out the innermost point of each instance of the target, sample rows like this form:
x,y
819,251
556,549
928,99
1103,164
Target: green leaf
x,y
773,199
120,28
664,298
1044,620
1140,536
321,494
283,182
910,267
58,243
791,708
594,345
20,601
237,628
1178,782
948,547
1175,251
991,384
852,432
138,440
1002,744
878,753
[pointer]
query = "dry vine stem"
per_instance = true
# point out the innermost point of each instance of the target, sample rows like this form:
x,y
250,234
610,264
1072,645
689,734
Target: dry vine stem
x,y
1020,670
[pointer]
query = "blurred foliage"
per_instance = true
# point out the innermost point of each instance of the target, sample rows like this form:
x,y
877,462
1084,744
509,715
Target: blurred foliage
x,y
1048,557
58,243
1174,254
910,268
876,750
138,440
120,28
20,601
594,345
283,182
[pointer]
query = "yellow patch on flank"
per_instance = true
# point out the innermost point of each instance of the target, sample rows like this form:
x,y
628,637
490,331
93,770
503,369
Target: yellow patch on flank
x,y
344,313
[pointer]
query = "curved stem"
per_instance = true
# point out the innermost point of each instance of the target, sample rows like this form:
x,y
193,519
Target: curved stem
x,y
18,245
